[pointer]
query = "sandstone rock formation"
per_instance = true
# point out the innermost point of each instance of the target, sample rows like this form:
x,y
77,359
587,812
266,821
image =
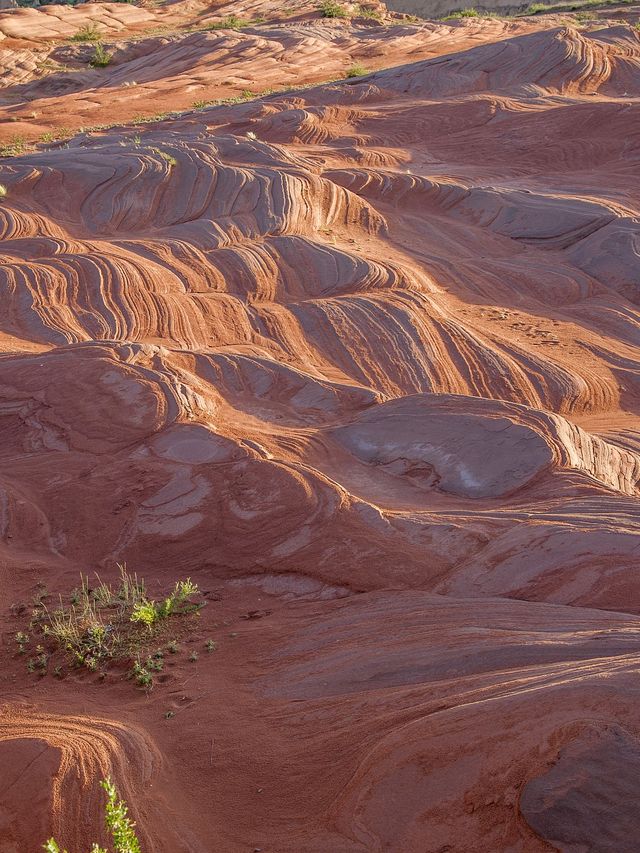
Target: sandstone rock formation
x,y
362,360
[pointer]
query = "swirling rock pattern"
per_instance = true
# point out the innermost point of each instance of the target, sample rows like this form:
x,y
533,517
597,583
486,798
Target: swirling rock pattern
x,y
363,360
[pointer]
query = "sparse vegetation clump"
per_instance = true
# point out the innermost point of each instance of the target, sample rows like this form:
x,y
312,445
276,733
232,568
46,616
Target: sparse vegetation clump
x,y
331,9
356,70
369,13
118,824
102,624
101,57
88,33
16,146
231,22
3,191
463,13
541,8
57,135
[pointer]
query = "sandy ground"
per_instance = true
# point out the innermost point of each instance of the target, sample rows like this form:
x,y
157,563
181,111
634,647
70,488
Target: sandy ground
x,y
362,360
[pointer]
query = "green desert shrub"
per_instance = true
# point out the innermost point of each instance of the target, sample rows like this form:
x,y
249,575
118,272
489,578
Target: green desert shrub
x,y
463,13
369,13
118,824
356,70
331,9
17,145
101,57
231,22
88,33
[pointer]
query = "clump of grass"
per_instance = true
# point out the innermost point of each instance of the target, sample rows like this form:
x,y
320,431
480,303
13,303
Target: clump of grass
x,y
118,823
369,13
356,70
169,158
231,22
56,135
193,657
211,646
16,146
106,623
49,66
540,8
101,57
331,9
463,13
88,33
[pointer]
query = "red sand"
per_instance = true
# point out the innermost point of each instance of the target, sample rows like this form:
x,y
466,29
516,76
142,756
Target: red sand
x,y
364,360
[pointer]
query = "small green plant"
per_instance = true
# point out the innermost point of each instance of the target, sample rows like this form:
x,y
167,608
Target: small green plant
x,y
169,714
22,640
118,823
141,675
369,13
193,657
356,70
168,158
88,33
55,135
121,827
101,57
173,647
462,13
17,145
210,646
172,162
231,22
331,9
147,613
155,664
200,105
